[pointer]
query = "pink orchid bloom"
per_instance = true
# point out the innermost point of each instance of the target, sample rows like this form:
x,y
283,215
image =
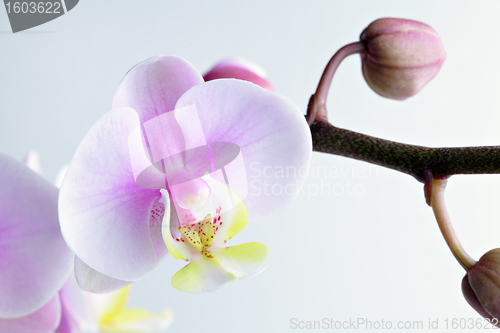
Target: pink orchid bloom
x,y
166,154
72,310
34,259
239,68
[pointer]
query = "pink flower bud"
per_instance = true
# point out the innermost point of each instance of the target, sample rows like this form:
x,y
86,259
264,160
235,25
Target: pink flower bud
x,y
400,56
239,68
481,286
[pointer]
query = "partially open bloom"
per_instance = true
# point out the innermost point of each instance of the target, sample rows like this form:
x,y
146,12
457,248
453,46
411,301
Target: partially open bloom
x,y
168,131
400,57
34,259
239,68
481,286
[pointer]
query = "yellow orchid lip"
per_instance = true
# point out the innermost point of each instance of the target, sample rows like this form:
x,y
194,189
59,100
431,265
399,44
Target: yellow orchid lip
x,y
211,266
200,234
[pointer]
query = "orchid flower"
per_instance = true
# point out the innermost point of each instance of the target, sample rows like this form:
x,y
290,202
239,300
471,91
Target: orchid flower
x,y
87,312
34,259
72,310
239,68
149,162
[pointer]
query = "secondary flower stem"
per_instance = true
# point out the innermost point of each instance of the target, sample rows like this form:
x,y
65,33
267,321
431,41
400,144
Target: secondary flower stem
x,y
420,162
443,219
317,103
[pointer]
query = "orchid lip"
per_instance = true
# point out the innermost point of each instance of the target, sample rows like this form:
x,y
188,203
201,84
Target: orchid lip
x,y
200,235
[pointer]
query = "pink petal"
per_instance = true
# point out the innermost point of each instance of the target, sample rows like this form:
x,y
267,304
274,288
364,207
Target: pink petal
x,y
76,314
92,281
66,325
44,320
34,259
271,132
146,174
154,85
105,217
239,68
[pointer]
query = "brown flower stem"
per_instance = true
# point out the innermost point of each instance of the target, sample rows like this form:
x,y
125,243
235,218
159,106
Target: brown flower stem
x,y
420,162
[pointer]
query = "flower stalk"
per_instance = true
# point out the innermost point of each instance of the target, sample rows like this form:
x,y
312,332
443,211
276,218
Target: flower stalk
x,y
317,103
444,222
417,161
399,57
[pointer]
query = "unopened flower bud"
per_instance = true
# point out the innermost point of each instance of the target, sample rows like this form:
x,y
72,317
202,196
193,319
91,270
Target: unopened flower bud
x,y
481,286
239,68
400,57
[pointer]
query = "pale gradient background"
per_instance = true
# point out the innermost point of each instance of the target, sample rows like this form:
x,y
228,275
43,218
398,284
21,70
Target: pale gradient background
x,y
375,253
